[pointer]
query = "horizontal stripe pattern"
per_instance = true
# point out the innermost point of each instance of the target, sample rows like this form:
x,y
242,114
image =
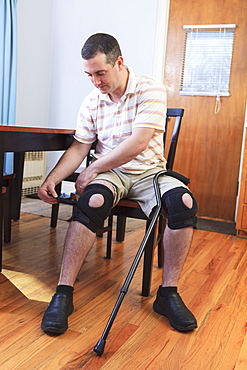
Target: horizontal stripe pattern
x,y
142,105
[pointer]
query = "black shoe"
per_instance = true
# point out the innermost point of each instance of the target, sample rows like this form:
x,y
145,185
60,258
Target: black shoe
x,y
175,310
55,319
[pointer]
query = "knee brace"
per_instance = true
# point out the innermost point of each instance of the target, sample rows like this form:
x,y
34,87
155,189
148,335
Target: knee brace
x,y
179,215
93,217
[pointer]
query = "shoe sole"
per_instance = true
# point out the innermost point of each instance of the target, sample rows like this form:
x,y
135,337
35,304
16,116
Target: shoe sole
x,y
55,330
160,311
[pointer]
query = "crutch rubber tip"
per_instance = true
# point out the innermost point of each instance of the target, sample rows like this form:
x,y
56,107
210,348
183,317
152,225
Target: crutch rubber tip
x,y
100,346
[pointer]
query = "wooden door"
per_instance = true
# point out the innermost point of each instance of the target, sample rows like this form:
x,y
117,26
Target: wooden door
x,y
210,144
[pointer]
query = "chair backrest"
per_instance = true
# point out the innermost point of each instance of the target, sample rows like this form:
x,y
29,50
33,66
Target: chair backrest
x,y
171,112
178,114
90,153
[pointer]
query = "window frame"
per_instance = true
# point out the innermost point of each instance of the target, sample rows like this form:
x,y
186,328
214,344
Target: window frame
x,y
222,65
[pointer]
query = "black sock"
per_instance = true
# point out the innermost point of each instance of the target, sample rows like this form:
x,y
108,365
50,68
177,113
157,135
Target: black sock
x,y
65,289
165,291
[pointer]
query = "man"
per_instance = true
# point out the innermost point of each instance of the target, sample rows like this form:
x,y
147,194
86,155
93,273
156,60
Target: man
x,y
126,113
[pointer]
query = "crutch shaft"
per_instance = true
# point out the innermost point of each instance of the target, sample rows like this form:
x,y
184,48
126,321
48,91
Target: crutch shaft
x,y
99,347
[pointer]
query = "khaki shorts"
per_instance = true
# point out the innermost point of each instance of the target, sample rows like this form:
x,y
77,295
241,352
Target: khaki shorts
x,y
139,187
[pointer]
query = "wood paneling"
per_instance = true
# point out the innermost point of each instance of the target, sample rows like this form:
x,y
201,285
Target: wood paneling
x,y
210,144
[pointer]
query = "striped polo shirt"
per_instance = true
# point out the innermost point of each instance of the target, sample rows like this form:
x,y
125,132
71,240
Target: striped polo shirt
x,y
142,105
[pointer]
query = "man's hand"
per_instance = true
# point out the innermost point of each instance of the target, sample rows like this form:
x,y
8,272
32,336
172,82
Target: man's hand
x,y
66,165
85,177
47,192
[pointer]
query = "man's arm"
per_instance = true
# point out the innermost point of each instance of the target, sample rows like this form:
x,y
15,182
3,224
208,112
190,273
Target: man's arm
x,y
123,153
67,164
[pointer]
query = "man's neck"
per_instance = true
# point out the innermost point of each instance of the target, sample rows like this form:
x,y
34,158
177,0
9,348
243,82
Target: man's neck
x,y
116,95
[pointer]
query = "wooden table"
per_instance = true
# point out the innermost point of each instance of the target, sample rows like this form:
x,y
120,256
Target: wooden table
x,y
26,139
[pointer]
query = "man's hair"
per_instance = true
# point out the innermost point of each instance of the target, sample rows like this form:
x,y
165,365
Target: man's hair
x,y
101,43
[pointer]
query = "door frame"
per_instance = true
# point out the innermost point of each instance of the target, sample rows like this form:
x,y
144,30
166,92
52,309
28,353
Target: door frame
x,y
161,38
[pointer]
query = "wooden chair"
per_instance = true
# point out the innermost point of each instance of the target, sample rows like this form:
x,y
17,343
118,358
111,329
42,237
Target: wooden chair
x,y
127,208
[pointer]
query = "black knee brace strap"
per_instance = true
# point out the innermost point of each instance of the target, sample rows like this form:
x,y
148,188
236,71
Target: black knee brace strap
x,y
93,217
179,215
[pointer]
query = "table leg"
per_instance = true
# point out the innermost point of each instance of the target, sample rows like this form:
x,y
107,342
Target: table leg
x,y
18,170
1,209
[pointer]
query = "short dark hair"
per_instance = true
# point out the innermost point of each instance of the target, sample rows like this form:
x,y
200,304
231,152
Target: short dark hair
x,y
101,43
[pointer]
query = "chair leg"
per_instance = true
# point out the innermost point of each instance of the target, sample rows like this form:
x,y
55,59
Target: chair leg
x,y
148,261
121,224
55,208
109,237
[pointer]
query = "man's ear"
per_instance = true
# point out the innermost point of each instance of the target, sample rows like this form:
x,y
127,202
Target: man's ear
x,y
120,62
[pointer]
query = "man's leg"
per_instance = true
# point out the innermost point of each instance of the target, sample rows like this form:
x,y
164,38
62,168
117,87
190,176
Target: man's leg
x,y
176,246
168,302
78,242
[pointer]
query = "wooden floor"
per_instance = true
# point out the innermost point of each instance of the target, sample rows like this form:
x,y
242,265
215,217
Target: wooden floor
x,y
213,285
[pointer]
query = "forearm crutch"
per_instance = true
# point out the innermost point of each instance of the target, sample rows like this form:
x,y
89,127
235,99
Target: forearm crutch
x,y
100,346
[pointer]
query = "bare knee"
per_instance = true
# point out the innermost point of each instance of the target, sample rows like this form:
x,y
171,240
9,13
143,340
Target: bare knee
x,y
96,200
187,200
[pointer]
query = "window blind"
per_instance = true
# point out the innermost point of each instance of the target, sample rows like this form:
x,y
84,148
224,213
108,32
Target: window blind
x,y
207,60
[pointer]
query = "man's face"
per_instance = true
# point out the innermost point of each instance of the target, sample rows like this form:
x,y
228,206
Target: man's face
x,y
104,76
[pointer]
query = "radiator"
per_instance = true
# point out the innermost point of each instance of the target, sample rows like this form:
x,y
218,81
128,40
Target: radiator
x,y
34,172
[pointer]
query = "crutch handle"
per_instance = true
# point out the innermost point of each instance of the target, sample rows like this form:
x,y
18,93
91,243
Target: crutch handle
x,y
156,187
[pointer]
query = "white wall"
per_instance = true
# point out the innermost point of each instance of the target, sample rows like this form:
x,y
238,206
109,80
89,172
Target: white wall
x,y
130,22
33,64
51,82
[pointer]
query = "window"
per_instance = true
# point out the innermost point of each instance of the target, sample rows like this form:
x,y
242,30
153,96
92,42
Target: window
x,y
207,60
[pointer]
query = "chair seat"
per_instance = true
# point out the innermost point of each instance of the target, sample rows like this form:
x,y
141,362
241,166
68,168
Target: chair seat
x,y
128,203
128,208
